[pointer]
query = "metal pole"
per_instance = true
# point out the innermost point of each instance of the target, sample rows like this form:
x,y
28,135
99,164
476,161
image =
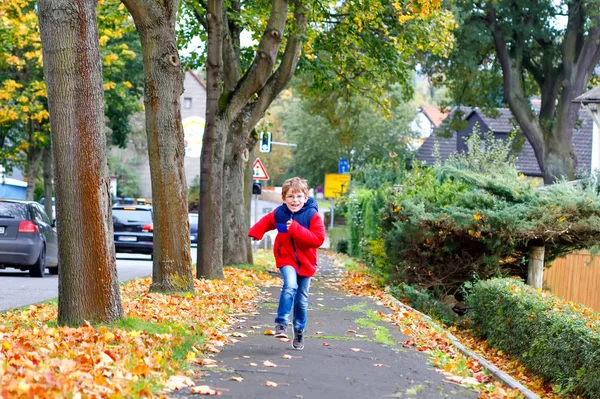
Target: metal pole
x,y
255,243
331,213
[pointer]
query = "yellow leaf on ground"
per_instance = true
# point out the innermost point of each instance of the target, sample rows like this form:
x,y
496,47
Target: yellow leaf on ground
x,y
271,384
204,390
356,349
269,364
176,382
238,379
286,356
269,332
239,335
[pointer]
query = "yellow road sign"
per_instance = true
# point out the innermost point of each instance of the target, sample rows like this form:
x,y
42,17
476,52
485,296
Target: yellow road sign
x,y
336,184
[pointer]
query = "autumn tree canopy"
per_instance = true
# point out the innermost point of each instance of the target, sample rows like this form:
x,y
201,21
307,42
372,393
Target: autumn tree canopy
x,y
347,46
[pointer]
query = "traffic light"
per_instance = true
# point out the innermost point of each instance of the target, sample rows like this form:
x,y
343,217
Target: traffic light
x,y
256,188
265,142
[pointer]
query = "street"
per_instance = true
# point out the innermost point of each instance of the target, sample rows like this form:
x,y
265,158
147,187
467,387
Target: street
x,y
18,289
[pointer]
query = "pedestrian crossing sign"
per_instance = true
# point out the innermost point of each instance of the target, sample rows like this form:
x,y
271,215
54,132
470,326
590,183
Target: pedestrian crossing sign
x,y
259,171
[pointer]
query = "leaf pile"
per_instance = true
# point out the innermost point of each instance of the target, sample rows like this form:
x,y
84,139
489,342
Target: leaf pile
x,y
160,336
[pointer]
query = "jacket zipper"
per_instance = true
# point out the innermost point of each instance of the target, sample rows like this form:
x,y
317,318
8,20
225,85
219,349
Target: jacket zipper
x,y
294,248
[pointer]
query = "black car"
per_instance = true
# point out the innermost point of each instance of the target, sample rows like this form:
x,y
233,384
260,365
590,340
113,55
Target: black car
x,y
133,229
193,218
28,238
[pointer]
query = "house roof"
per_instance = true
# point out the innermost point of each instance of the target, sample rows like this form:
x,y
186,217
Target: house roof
x,y
500,124
197,78
592,96
526,161
434,114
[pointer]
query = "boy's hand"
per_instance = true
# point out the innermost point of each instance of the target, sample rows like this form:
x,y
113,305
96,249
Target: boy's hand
x,y
289,223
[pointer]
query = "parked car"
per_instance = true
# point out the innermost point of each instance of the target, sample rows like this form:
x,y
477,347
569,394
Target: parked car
x,y
28,238
53,217
133,229
193,218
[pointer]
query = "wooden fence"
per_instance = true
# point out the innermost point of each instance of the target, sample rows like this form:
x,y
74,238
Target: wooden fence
x,y
575,278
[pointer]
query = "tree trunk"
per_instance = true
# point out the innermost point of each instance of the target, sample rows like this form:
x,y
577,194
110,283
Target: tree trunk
x,y
88,288
34,157
155,23
210,230
235,220
535,271
245,102
48,179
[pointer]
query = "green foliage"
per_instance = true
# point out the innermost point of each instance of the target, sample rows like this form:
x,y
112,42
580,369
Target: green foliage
x,y
347,129
472,216
194,195
424,302
342,246
128,183
556,339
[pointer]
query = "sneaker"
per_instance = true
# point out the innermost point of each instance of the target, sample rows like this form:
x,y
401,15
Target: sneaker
x,y
281,331
298,342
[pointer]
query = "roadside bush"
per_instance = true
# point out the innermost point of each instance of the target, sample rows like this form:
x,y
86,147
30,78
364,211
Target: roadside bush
x,y
342,246
556,339
424,302
475,215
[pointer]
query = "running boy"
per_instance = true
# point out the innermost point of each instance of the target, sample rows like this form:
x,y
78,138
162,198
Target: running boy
x,y
300,231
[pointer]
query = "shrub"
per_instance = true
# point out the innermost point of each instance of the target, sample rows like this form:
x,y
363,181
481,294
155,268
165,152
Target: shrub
x,y
556,339
424,302
342,246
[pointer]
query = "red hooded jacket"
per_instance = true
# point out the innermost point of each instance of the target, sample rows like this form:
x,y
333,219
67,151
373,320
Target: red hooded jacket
x,y
296,246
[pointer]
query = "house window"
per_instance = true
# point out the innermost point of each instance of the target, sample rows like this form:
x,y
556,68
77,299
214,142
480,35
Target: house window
x,y
187,103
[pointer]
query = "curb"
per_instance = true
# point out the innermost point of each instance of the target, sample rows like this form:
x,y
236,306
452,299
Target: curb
x,y
493,370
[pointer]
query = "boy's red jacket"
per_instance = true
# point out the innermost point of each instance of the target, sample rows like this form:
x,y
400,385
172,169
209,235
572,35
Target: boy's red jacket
x,y
296,246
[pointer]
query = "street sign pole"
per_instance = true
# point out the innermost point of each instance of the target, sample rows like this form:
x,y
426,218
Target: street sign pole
x,y
255,242
332,207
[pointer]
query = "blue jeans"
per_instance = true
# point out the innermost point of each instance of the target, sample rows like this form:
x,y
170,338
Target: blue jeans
x,y
294,293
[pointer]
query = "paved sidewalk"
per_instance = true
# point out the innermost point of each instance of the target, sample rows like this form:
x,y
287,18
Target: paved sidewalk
x,y
329,366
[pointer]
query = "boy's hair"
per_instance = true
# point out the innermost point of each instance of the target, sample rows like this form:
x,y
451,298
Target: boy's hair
x,y
294,184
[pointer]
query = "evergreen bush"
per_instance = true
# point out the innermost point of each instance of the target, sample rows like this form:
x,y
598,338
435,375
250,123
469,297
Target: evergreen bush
x,y
556,339
477,216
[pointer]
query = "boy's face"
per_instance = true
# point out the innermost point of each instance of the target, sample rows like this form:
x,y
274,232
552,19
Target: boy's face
x,y
294,200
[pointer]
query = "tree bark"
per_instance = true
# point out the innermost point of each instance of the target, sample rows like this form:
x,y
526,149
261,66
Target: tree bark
x,y
550,133
155,23
34,157
237,247
235,220
210,231
535,271
48,180
88,288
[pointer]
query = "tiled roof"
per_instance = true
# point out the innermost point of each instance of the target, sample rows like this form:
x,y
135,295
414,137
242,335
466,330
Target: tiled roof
x,y
526,161
435,115
500,124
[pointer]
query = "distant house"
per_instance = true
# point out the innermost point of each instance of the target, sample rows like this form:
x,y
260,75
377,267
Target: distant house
x,y
584,140
12,188
426,121
193,111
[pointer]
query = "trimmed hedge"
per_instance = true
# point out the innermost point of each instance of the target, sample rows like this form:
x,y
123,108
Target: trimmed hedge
x,y
556,339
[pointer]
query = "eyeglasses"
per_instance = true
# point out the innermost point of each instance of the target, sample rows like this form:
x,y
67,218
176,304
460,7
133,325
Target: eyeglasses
x,y
295,196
